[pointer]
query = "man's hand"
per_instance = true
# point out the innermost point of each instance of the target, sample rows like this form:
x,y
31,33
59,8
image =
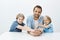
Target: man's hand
x,y
35,32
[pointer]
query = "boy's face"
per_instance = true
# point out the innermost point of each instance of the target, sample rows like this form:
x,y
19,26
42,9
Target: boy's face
x,y
20,20
46,21
37,12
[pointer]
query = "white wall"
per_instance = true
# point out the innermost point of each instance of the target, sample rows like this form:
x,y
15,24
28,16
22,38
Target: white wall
x,y
9,9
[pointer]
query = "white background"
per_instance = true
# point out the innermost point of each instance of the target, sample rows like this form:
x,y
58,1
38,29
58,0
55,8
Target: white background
x,y
10,8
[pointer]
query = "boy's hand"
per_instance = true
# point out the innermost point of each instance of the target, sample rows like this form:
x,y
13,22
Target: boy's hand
x,y
44,26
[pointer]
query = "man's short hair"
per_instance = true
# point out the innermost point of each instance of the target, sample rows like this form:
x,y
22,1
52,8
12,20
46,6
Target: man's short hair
x,y
37,6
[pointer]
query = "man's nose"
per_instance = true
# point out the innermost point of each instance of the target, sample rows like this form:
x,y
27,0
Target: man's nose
x,y
20,20
37,13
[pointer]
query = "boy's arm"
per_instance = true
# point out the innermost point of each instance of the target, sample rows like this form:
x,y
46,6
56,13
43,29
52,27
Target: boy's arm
x,y
44,26
50,29
24,28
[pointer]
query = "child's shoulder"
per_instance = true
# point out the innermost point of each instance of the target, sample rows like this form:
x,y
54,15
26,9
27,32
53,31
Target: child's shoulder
x,y
15,22
50,25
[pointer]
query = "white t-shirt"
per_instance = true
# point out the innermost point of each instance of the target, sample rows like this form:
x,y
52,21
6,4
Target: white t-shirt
x,y
36,23
37,26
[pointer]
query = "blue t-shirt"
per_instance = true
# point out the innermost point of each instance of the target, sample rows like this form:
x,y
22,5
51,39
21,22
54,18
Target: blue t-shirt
x,y
14,27
49,29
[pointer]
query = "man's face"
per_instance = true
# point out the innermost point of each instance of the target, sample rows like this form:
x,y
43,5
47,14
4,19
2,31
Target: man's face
x,y
37,12
20,20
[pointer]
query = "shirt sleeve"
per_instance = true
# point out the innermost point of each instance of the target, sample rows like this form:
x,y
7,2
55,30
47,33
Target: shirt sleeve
x,y
28,22
13,26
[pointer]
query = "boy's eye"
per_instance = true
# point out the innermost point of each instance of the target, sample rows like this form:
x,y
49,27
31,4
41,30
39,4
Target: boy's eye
x,y
20,19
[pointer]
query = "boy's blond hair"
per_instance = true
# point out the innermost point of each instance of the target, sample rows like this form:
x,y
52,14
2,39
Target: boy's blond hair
x,y
20,15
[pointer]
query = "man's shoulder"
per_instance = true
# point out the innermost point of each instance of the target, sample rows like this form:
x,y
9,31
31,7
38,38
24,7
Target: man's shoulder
x,y
41,16
30,17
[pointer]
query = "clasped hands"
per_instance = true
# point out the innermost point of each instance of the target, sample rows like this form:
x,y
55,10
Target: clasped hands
x,y
35,32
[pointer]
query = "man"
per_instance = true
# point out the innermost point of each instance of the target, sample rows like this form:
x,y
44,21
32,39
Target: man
x,y
35,19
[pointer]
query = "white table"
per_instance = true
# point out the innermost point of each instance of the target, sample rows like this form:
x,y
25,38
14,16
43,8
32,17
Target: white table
x,y
25,36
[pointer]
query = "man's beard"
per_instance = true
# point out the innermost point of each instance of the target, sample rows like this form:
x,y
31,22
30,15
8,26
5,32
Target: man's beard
x,y
36,16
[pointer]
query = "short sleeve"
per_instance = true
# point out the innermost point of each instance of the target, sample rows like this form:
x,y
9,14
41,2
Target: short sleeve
x,y
49,29
28,22
13,26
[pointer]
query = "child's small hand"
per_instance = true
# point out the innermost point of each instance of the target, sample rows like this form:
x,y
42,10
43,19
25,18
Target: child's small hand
x,y
46,26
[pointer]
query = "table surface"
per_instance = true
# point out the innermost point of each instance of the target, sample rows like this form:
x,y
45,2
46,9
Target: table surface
x,y
26,36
